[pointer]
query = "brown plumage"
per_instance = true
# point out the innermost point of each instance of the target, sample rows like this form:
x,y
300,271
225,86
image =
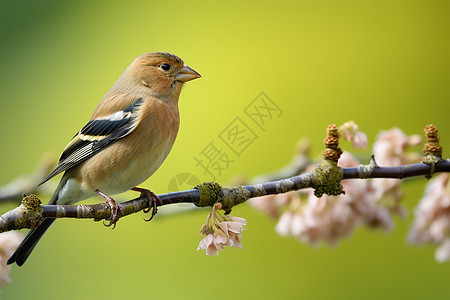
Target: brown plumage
x,y
129,135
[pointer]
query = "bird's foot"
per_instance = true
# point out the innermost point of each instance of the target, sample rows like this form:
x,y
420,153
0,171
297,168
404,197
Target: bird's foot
x,y
115,209
152,198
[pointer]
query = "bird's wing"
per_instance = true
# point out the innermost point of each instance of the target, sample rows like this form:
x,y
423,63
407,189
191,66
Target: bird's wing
x,y
95,136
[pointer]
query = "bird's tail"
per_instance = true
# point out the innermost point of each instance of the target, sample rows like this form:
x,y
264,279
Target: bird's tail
x,y
34,235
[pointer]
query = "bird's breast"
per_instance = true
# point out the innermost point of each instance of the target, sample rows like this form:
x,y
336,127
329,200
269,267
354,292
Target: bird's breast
x,y
134,158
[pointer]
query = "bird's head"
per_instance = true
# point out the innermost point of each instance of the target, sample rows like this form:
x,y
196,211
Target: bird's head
x,y
160,73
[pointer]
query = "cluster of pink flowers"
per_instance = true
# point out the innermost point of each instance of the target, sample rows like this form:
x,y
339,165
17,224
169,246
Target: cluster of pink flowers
x,y
317,219
368,202
221,231
331,218
432,217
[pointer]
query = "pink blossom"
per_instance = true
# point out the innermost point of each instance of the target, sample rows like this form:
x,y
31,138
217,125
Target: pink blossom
x,y
209,245
284,224
371,202
442,253
331,218
432,217
391,145
351,133
364,198
9,241
221,231
390,149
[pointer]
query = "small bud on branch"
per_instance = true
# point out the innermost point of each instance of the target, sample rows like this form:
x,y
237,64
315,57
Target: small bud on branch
x,y
432,146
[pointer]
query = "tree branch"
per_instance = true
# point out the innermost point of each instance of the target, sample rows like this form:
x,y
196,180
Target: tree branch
x,y
400,172
325,178
30,213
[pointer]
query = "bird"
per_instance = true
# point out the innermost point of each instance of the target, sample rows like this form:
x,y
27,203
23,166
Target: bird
x,y
127,138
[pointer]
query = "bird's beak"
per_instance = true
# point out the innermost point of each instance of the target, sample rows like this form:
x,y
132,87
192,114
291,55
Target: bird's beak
x,y
186,74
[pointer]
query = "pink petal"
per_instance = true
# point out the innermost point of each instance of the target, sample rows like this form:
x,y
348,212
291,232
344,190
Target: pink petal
x,y
297,225
220,238
442,253
234,227
212,250
205,242
223,226
239,220
236,241
360,140
219,247
283,226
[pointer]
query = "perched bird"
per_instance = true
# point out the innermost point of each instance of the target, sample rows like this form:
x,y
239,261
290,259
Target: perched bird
x,y
129,135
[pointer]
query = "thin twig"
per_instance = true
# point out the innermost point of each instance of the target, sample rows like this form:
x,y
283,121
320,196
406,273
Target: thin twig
x,y
399,172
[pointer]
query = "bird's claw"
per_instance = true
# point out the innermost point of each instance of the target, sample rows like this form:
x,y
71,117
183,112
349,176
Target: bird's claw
x,y
154,202
115,210
110,224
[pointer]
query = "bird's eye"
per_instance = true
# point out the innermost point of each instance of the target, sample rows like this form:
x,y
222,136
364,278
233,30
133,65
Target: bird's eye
x,y
165,66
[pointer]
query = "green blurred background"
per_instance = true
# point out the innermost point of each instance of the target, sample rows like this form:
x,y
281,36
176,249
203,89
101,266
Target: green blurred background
x,y
379,63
